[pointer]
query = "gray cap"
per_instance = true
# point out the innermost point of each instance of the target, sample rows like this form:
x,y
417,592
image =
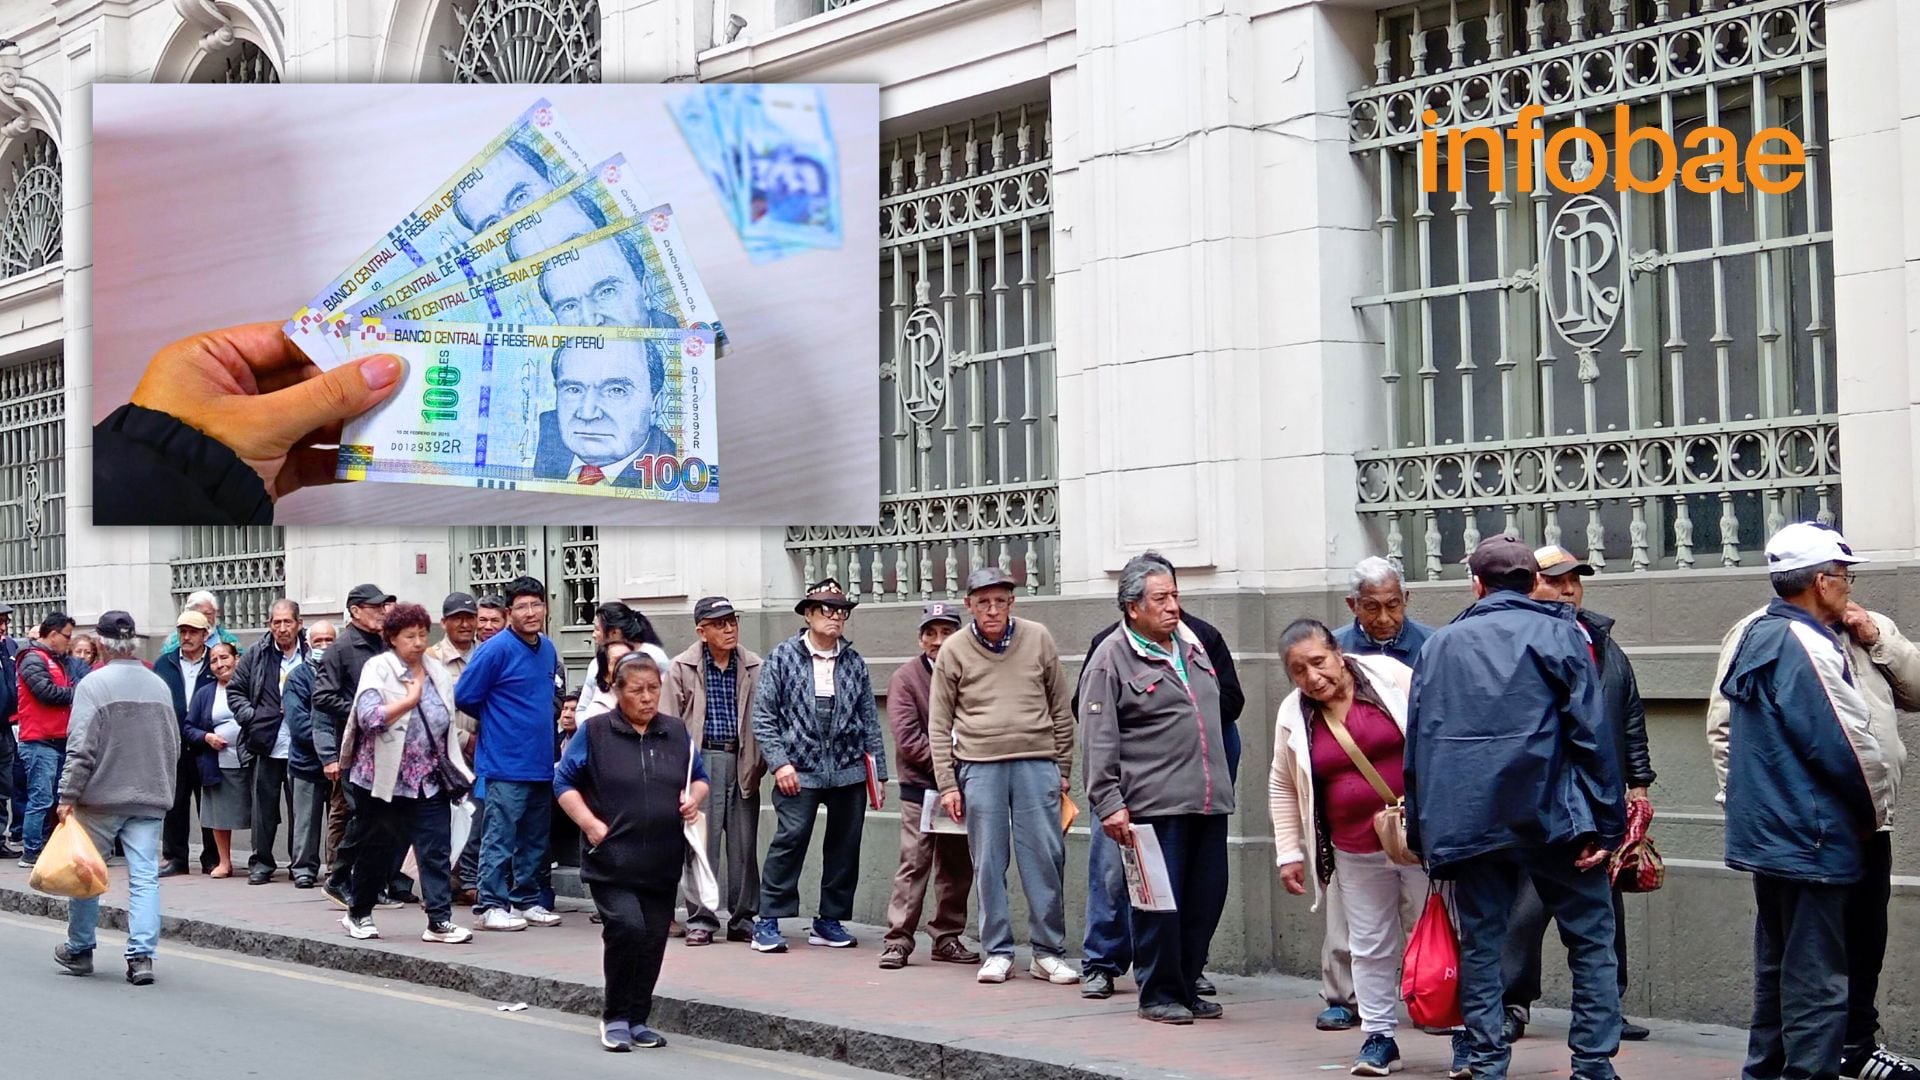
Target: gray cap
x,y
986,577
6,608
939,611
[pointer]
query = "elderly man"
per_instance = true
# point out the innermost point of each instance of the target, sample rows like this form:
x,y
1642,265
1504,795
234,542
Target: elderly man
x,y
1000,720
492,618
606,416
208,605
254,695
460,623
311,788
1512,775
184,670
1562,580
13,780
924,854
124,746
817,729
45,691
336,679
1806,742
1163,774
710,687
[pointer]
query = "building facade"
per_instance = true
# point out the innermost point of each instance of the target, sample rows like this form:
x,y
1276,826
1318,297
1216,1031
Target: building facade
x,y
1164,275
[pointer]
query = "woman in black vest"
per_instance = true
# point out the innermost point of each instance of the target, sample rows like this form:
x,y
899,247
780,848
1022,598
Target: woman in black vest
x,y
631,779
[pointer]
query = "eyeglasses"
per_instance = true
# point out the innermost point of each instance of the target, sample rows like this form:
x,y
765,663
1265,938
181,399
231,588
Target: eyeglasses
x,y
528,609
993,603
725,622
834,613
1847,576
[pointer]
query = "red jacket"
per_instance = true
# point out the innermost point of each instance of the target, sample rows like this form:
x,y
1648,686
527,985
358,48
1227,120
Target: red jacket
x,y
45,693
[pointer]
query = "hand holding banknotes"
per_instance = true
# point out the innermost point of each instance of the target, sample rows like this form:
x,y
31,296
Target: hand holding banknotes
x,y
249,388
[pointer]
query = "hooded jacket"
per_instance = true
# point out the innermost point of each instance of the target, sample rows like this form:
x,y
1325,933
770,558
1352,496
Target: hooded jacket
x,y
1807,780
1506,744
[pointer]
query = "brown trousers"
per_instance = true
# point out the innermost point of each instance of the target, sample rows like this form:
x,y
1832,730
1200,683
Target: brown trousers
x,y
337,814
942,857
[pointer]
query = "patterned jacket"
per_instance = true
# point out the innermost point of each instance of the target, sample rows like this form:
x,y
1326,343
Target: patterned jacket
x,y
826,755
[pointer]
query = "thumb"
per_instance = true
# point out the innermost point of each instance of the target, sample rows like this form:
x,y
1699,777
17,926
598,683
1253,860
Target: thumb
x,y
340,394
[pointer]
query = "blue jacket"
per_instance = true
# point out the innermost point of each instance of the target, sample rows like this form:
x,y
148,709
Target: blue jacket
x,y
513,688
1404,646
168,668
1806,780
789,732
1506,746
296,704
193,734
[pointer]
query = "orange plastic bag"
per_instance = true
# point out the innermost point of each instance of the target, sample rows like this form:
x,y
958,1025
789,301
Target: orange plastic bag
x,y
1430,981
69,864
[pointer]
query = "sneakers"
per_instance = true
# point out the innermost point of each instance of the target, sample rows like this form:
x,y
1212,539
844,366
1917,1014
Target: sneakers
x,y
1379,1056
995,969
1336,1018
1054,970
646,1038
1095,983
893,956
500,919
332,891
538,916
699,935
388,901
24,863
360,929
1461,1054
1171,1013
1878,1063
767,937
75,963
615,1036
445,933
140,970
830,933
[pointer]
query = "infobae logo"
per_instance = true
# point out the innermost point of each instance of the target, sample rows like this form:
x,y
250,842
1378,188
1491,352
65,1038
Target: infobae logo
x,y
1714,163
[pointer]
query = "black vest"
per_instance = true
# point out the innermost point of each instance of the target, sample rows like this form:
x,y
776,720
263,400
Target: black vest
x,y
633,783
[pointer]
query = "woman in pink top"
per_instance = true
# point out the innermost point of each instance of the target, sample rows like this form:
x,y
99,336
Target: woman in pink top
x,y
1323,806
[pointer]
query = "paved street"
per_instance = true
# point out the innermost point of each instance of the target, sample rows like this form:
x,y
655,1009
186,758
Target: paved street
x,y
217,1014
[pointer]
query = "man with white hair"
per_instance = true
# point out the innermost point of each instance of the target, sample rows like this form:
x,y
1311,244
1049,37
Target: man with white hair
x,y
206,604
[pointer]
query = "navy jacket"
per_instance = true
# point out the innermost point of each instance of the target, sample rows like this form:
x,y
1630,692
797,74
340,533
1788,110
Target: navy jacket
x,y
193,735
1506,747
9,654
1404,646
296,703
1806,782
168,668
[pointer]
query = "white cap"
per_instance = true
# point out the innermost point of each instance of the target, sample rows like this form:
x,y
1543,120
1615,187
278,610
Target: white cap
x,y
1808,543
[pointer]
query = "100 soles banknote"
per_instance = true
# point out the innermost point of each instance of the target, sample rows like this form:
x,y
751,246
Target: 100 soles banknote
x,y
619,411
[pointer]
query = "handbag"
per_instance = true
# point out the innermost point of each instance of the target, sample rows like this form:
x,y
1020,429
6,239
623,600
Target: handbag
x,y
1637,866
1390,821
1430,977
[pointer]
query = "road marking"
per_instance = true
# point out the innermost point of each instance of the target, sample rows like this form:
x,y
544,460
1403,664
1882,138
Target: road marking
x,y
194,953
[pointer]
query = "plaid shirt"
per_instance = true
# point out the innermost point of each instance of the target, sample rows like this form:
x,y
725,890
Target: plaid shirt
x,y
723,699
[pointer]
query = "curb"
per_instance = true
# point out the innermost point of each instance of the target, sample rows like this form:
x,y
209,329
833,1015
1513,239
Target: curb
x,y
900,1054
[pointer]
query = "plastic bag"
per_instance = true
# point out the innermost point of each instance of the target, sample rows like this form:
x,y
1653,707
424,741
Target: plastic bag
x,y
69,864
1430,982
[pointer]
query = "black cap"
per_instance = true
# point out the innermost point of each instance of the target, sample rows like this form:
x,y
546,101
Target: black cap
x,y
368,594
1499,555
711,607
116,626
459,603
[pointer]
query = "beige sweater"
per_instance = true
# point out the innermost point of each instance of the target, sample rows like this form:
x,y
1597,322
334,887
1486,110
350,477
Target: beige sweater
x,y
989,706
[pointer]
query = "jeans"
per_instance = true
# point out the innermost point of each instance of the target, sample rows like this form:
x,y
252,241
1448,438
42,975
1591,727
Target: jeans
x,y
1013,814
1108,944
44,762
515,843
839,854
310,799
940,858
468,867
139,837
269,793
633,936
1375,891
1581,901
733,848
390,826
1799,980
1520,964
1867,939
1170,947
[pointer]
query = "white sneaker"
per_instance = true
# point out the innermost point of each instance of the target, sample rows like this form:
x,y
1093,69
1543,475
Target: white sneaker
x,y
501,919
995,969
447,934
1054,970
360,929
538,916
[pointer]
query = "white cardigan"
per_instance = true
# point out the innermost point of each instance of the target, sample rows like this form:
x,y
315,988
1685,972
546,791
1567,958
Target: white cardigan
x,y
383,673
1290,782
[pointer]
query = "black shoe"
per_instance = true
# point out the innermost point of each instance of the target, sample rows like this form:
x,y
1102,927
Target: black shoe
x,y
336,894
75,963
140,970
1513,1027
1633,1032
9,852
1204,987
173,869
1172,1013
305,881
1336,1018
1877,1063
1207,1010
259,875
391,899
1095,983
740,932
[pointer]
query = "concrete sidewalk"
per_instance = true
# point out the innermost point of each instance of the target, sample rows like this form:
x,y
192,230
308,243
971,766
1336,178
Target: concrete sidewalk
x,y
928,1020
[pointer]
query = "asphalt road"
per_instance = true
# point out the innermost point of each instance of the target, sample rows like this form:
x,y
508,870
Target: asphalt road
x,y
216,1014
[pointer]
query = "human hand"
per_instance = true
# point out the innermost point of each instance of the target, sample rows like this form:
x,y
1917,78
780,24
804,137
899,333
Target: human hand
x,y
1066,783
215,741
331,769
1860,625
1118,825
952,805
1637,794
689,805
1294,877
787,779
595,831
257,394
1591,856
63,812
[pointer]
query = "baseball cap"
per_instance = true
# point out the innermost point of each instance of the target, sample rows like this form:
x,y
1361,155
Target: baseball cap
x,y
118,626
1556,561
368,594
711,607
938,611
1499,555
193,619
987,577
1808,543
459,603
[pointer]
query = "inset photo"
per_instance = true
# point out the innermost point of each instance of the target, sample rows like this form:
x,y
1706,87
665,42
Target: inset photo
x,y
423,305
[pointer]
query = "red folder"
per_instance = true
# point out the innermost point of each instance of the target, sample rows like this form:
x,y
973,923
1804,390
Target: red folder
x,y
876,788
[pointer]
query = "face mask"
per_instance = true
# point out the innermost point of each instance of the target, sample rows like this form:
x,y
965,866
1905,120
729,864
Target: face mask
x,y
317,652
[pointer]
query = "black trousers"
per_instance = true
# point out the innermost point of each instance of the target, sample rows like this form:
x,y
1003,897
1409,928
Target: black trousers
x,y
633,936
1799,980
387,829
1867,940
347,854
174,828
1520,961
840,854
270,796
1170,947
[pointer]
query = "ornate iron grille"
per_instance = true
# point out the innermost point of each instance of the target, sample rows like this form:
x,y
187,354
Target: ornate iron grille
x,y
527,41
246,567
30,229
968,414
33,510
244,63
1653,368
565,558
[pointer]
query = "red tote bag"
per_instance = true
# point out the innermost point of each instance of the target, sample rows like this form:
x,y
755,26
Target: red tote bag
x,y
1430,978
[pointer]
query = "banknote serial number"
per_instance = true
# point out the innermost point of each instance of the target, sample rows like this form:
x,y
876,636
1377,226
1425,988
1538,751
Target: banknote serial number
x,y
425,446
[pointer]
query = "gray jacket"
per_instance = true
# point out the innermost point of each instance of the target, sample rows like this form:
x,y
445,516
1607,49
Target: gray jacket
x,y
1153,747
123,743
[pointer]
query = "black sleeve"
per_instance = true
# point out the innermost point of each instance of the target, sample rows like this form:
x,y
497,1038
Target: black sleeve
x,y
1639,763
240,688
1232,698
151,469
330,697
39,681
1092,647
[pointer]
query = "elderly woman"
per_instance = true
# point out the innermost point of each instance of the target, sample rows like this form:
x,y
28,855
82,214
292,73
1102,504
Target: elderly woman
x,y
631,779
1150,713
225,763
87,654
1323,804
407,771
